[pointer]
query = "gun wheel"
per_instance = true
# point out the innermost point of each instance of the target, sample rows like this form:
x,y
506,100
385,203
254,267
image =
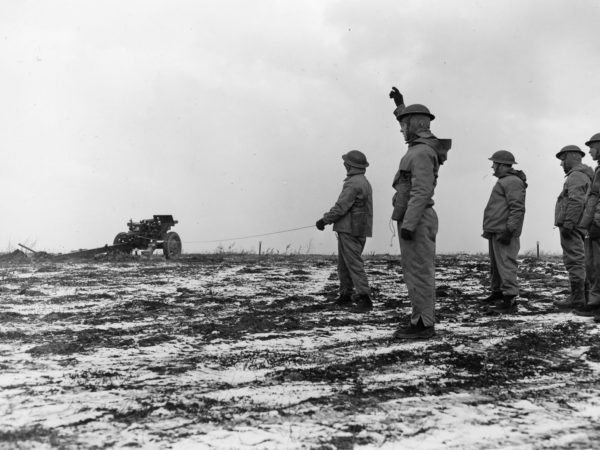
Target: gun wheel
x,y
172,245
120,238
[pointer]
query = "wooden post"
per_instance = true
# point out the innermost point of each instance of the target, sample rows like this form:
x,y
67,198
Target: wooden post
x,y
537,244
259,247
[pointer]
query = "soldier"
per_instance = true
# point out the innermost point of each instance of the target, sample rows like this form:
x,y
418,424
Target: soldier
x,y
502,225
417,221
568,213
352,219
591,222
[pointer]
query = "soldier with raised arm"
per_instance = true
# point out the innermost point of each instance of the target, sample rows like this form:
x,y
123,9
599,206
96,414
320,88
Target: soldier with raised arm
x,y
417,221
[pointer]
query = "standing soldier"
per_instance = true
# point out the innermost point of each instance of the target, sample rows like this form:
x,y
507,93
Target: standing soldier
x,y
352,219
591,222
417,221
568,213
502,225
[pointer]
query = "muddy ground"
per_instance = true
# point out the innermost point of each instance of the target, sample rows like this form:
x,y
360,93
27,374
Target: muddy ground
x,y
242,352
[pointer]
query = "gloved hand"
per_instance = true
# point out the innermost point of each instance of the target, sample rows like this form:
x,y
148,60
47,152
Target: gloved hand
x,y
407,235
594,232
566,232
505,237
396,96
320,224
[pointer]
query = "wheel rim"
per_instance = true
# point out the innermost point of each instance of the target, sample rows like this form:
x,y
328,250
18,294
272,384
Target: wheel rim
x,y
173,246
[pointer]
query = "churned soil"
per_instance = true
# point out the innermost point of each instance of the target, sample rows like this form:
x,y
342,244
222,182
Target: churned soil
x,y
242,351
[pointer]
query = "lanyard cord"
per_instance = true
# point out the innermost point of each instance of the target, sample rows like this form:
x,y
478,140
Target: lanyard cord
x,y
247,237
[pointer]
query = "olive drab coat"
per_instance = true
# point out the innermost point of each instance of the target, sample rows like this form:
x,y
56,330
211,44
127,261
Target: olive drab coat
x,y
415,180
591,213
505,209
571,201
353,211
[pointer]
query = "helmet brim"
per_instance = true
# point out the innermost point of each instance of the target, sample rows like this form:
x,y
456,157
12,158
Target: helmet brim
x,y
581,152
503,161
354,164
401,116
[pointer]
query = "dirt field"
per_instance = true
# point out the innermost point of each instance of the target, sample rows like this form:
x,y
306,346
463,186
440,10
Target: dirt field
x,y
246,352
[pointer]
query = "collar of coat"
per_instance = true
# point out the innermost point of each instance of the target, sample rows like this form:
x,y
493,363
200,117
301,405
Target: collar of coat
x,y
440,146
583,169
354,171
517,173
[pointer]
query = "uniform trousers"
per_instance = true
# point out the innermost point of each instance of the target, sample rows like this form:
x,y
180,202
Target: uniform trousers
x,y
503,265
592,265
573,248
351,270
418,267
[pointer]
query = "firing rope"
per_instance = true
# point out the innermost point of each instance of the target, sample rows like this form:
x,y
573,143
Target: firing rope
x,y
251,236
393,230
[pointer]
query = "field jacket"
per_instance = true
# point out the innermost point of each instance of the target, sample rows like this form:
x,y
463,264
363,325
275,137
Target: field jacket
x,y
415,180
505,209
591,212
571,201
353,211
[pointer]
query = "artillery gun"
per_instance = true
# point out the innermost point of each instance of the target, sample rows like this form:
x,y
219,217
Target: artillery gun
x,y
150,234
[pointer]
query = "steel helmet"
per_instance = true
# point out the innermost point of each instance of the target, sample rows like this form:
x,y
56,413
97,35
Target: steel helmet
x,y
415,109
503,157
356,159
570,148
594,138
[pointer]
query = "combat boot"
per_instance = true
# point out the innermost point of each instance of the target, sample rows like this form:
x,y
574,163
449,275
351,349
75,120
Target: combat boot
x,y
363,303
592,308
414,331
344,300
508,305
588,310
492,298
576,298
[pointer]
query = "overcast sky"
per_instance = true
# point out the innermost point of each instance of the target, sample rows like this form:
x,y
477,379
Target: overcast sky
x,y
233,115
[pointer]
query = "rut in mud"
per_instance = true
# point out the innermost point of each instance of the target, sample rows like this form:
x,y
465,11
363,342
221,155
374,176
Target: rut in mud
x,y
250,352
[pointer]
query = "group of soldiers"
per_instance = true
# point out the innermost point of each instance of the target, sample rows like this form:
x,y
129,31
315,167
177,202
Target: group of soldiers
x,y
577,217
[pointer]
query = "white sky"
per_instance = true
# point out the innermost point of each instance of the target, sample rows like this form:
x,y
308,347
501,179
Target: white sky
x,y
233,115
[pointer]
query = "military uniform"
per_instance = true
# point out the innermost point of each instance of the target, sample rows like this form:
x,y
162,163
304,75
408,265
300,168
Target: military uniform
x,y
591,223
415,183
417,221
504,215
568,214
352,219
